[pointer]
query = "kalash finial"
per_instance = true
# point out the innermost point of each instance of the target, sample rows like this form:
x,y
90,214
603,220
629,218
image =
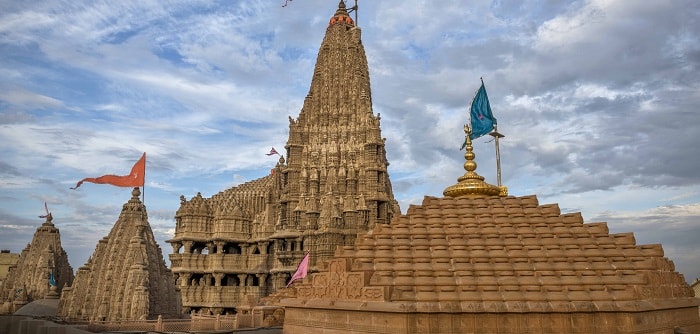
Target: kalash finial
x,y
471,183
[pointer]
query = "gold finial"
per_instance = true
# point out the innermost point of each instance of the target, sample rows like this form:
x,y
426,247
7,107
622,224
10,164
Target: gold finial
x,y
471,183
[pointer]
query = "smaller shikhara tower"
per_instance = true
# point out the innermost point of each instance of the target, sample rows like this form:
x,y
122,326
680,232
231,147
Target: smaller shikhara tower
x,y
30,279
126,277
245,242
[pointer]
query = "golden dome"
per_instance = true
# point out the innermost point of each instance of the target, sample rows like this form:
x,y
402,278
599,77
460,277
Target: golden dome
x,y
471,183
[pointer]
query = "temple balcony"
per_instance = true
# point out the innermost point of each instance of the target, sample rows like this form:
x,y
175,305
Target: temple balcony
x,y
219,296
218,262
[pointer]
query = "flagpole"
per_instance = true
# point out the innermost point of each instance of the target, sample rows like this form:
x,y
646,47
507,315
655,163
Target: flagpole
x,y
496,135
143,193
357,24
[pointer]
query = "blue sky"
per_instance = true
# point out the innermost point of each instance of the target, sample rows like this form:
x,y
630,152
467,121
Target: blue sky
x,y
597,99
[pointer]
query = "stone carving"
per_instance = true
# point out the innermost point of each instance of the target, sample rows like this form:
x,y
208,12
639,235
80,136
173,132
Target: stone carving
x,y
332,185
340,284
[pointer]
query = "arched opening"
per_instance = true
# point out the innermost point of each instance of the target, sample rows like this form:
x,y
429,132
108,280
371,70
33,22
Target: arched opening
x,y
198,248
232,248
196,280
230,280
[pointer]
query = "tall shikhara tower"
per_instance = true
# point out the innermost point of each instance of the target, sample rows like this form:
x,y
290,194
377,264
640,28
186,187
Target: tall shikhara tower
x,y
126,277
244,243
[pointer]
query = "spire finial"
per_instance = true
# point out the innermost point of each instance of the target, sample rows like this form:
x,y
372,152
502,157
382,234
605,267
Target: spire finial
x,y
48,215
471,183
342,16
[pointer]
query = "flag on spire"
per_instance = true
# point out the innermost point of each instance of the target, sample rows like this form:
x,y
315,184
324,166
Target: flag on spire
x,y
135,179
52,279
272,152
302,270
482,120
46,207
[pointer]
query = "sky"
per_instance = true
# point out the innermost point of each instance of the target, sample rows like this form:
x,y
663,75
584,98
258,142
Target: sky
x,y
597,99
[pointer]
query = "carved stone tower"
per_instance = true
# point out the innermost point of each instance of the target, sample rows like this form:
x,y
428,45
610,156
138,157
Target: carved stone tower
x,y
30,278
126,277
335,181
244,243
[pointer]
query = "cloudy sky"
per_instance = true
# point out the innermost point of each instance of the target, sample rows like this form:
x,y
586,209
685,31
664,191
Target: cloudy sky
x,y
598,100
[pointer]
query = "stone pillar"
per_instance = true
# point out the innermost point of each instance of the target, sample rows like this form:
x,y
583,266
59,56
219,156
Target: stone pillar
x,y
242,279
217,278
220,247
185,279
176,247
188,247
261,280
263,247
211,248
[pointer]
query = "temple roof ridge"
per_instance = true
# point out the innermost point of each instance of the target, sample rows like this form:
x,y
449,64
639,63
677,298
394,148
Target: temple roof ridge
x,y
456,245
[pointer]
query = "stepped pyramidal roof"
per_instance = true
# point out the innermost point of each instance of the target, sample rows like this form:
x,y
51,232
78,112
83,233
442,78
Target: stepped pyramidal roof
x,y
245,242
30,278
477,261
126,277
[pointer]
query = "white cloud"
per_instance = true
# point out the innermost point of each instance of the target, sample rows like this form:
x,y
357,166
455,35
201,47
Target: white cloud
x,y
21,98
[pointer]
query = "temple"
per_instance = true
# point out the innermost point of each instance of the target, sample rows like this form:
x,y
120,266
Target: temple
x,y
126,277
245,242
41,271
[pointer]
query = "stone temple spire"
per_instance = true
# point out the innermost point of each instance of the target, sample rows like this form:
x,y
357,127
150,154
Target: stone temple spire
x,y
335,150
29,278
245,242
126,277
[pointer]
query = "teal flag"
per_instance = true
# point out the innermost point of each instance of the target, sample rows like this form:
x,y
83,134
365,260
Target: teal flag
x,y
481,116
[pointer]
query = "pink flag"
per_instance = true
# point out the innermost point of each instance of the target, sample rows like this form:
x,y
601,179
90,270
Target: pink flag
x,y
301,270
273,152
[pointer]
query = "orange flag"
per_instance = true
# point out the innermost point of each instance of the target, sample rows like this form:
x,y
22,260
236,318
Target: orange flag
x,y
134,179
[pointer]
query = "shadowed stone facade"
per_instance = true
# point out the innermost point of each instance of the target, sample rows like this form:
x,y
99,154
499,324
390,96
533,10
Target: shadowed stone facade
x,y
244,243
126,277
28,279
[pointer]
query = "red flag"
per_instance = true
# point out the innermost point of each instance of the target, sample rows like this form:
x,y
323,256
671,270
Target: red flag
x,y
134,179
272,152
301,270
